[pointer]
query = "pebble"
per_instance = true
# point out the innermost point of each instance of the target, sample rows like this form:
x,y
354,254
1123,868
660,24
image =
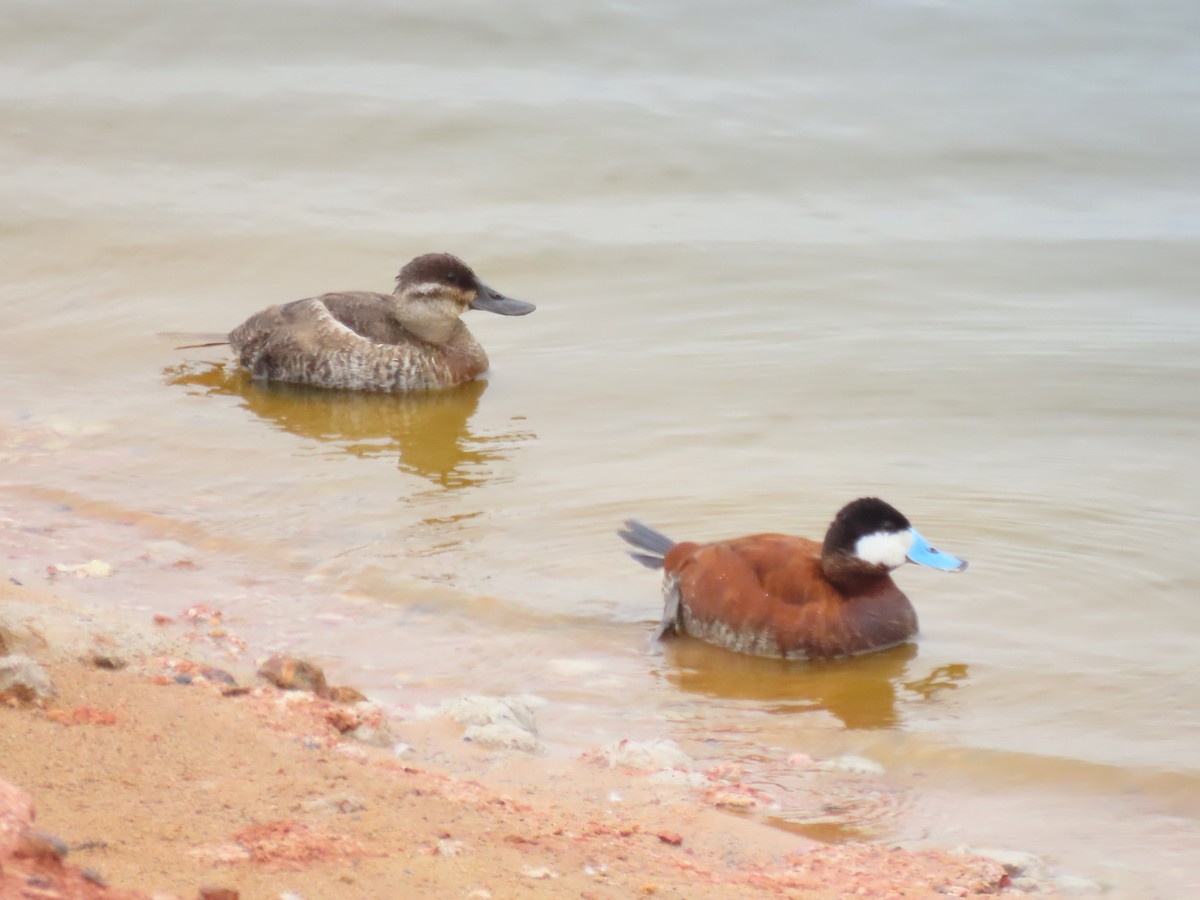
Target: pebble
x,y
379,735
23,680
97,568
345,694
39,845
106,659
503,722
855,765
94,877
1015,862
654,755
212,673
292,674
218,893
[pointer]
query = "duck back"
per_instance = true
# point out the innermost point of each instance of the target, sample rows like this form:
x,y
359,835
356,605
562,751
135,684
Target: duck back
x,y
352,341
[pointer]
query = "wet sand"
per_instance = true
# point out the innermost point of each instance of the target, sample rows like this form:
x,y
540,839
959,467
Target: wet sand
x,y
164,781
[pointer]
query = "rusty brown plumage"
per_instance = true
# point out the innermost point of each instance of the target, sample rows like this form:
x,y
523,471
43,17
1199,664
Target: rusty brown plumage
x,y
767,594
792,597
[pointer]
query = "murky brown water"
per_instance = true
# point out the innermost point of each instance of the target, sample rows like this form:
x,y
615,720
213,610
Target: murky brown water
x,y
784,256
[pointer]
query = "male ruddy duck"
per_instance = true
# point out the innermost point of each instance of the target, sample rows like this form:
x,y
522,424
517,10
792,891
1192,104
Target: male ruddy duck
x,y
792,597
409,340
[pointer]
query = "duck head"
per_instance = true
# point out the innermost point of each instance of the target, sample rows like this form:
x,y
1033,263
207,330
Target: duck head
x,y
869,538
435,289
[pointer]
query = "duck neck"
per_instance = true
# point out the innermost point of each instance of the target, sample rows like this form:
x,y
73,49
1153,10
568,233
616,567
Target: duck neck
x,y
425,322
851,575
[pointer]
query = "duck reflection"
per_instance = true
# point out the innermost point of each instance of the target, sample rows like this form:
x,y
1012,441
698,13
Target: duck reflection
x,y
860,691
429,431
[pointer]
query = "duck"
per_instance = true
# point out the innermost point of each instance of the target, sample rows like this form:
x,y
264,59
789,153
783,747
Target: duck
x,y
409,340
793,597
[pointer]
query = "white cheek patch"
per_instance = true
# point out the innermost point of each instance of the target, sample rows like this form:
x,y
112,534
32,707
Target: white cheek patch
x,y
885,548
436,289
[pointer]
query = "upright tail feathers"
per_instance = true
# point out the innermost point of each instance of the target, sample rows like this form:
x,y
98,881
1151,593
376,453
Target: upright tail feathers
x,y
643,537
209,338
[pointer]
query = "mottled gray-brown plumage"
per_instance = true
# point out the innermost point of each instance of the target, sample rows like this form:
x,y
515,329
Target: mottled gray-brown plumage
x,y
409,340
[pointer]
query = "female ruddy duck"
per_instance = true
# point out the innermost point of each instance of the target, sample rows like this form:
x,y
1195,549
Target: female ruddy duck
x,y
409,340
792,597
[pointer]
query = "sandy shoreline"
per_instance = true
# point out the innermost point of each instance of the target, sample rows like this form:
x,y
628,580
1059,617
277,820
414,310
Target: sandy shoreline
x,y
163,780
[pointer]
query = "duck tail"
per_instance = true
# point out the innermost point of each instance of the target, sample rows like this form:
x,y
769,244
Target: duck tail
x,y
643,537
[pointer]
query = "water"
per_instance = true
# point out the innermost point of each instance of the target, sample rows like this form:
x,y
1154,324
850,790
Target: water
x,y
784,255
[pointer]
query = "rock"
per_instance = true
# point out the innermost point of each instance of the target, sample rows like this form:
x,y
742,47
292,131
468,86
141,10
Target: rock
x,y
293,674
106,659
1015,862
503,722
855,765
97,568
94,877
503,736
18,631
16,815
343,720
24,681
218,893
203,614
212,673
647,756
379,735
345,694
366,722
476,709
40,846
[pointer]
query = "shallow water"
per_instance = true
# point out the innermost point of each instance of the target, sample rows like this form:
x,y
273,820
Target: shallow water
x,y
784,255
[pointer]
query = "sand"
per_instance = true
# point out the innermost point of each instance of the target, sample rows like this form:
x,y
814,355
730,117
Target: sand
x,y
163,781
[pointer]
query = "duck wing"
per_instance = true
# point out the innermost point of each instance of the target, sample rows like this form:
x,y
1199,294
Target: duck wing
x,y
367,314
